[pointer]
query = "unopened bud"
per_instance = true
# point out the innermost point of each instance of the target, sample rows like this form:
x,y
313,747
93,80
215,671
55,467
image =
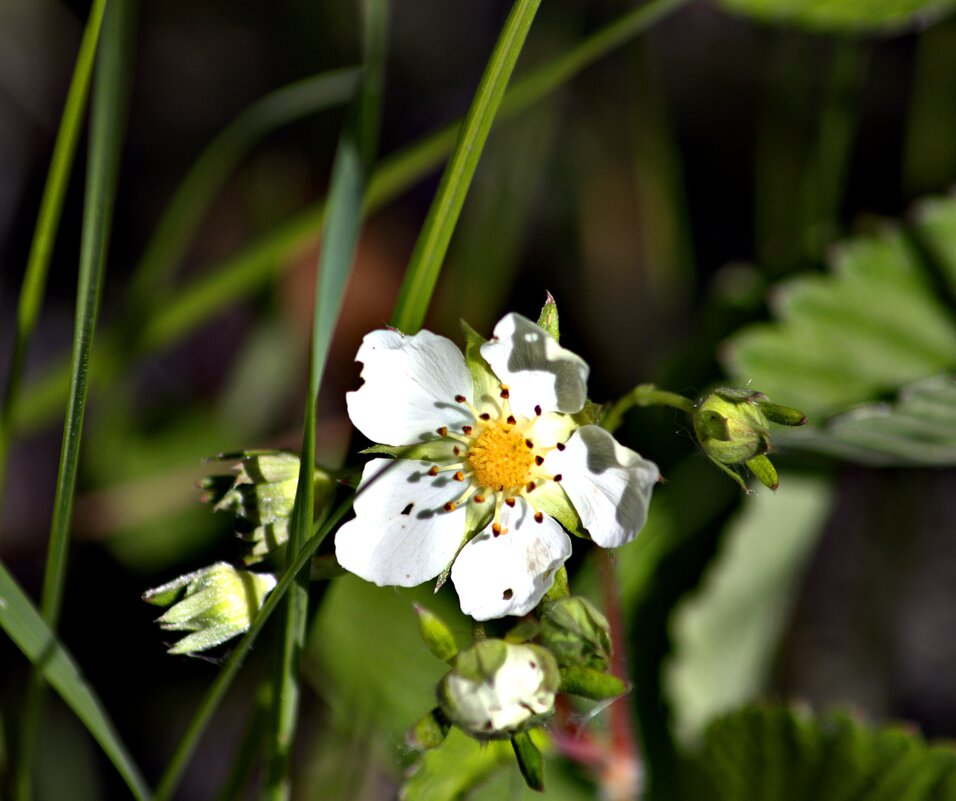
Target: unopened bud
x,y
731,431
497,689
590,683
437,635
548,319
429,732
215,604
576,633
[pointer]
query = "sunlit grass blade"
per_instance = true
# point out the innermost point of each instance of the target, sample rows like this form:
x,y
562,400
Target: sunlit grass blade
x,y
106,126
435,236
205,179
51,205
349,178
243,273
217,690
20,620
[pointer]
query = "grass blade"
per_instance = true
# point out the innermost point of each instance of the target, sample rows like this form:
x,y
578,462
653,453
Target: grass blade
x,y
244,272
349,178
204,180
429,254
23,624
106,126
51,205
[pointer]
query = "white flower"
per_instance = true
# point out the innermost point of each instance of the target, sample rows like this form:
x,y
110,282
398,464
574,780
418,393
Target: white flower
x,y
497,455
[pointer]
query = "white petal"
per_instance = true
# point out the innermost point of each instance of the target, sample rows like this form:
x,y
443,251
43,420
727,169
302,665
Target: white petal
x,y
609,485
400,535
535,368
509,574
410,387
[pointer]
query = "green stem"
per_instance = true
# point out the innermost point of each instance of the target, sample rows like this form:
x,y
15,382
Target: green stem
x,y
432,245
644,395
48,220
106,129
217,691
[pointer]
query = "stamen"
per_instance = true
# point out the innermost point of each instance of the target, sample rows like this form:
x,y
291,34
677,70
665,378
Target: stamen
x,y
505,393
558,477
479,499
560,446
530,487
511,420
537,410
529,443
449,507
460,398
443,431
459,476
496,529
456,450
433,470
539,460
510,502
466,429
484,416
538,517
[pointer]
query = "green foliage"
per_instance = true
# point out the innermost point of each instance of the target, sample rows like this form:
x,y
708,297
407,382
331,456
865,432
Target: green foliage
x,y
842,15
777,754
726,633
460,763
21,622
871,325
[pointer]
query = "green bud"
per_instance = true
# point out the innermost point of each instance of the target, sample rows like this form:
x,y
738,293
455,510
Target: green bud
x,y
576,633
437,636
261,493
530,761
548,319
590,683
215,604
497,689
429,732
783,415
765,472
731,431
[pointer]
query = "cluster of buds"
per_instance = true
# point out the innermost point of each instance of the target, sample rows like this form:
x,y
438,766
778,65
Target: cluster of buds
x,y
733,428
502,689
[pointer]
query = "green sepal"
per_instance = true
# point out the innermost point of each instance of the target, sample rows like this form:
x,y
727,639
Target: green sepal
x,y
487,385
783,415
530,761
525,631
576,632
713,426
732,473
436,634
561,588
590,683
552,500
735,395
431,451
429,732
765,472
482,660
591,414
548,319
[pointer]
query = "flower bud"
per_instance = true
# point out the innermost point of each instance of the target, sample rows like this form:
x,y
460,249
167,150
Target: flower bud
x,y
215,604
497,689
261,494
429,732
576,633
437,635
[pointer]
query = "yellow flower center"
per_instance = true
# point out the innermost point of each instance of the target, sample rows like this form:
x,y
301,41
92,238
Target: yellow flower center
x,y
501,458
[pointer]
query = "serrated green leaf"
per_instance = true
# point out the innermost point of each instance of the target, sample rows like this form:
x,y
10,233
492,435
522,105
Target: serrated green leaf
x,y
874,323
843,15
725,634
919,429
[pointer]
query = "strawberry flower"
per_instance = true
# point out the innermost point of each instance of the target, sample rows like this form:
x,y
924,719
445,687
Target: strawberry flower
x,y
497,456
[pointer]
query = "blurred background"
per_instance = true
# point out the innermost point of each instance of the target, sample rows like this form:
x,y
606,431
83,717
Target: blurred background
x,y
659,196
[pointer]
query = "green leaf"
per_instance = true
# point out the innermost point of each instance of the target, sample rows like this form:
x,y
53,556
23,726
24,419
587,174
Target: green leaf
x,y
448,772
843,15
435,236
874,323
776,754
725,634
23,624
918,429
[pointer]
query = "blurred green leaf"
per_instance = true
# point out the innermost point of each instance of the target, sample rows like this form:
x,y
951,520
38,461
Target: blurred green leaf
x,y
459,764
23,624
918,429
874,323
843,15
776,754
725,634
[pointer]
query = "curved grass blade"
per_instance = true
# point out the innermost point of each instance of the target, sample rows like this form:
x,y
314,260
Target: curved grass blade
x,y
106,129
349,178
23,624
198,189
51,205
435,236
244,272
